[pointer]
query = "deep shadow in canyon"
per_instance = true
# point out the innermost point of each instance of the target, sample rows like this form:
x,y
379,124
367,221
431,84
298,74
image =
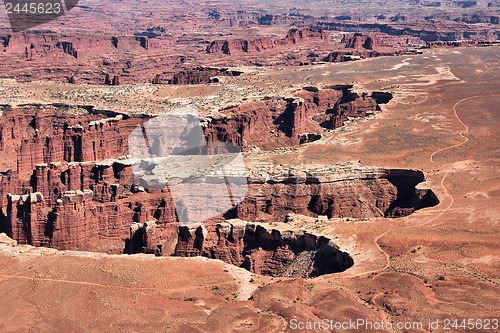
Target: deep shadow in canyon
x,y
269,249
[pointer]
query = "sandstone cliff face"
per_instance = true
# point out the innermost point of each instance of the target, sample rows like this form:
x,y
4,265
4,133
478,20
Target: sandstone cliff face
x,y
358,41
196,75
294,36
80,58
240,45
331,193
72,185
152,56
262,249
86,56
57,194
430,31
49,45
53,134
282,121
73,203
359,193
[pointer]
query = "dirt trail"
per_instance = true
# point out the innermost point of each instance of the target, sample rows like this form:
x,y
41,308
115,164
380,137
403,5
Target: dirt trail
x,y
448,194
102,285
486,71
445,189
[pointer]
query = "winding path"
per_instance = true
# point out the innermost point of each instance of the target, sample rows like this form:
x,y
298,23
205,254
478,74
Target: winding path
x,y
445,189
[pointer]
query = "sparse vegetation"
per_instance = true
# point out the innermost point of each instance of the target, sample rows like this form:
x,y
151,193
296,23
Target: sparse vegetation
x,y
368,182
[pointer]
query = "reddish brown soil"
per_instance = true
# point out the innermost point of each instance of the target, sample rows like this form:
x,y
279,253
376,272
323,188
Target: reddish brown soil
x,y
438,263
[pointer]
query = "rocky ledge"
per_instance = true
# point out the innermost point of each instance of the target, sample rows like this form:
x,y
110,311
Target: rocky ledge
x,y
272,249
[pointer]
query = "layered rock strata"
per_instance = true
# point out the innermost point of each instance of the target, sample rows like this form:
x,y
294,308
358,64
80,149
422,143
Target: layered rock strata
x,y
276,250
163,59
196,75
367,42
70,204
44,134
340,191
73,184
335,192
277,122
428,31
235,46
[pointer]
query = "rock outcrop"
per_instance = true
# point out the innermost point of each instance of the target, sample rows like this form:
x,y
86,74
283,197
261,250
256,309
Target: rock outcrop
x,y
272,196
294,36
150,48
73,186
45,134
276,250
196,75
358,41
80,58
276,122
240,45
297,36
430,31
66,185
334,192
77,203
